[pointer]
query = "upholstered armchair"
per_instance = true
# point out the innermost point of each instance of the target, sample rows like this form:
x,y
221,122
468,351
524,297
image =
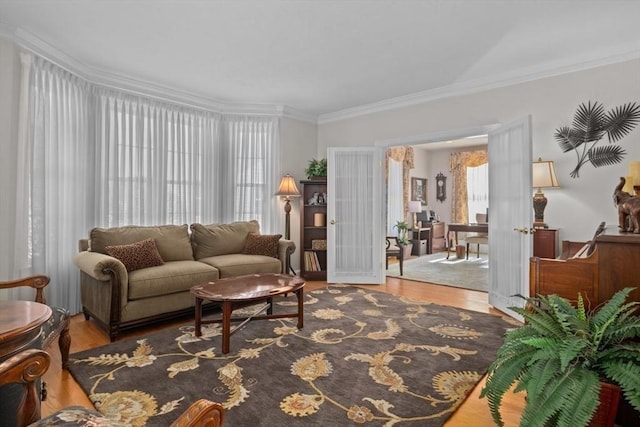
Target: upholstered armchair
x,y
58,324
24,370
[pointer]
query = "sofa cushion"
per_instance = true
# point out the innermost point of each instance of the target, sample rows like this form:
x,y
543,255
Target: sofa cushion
x,y
232,265
143,254
172,277
172,241
221,239
262,244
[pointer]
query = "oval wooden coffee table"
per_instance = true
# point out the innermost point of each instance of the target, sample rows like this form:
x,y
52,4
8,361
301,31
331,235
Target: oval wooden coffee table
x,y
236,292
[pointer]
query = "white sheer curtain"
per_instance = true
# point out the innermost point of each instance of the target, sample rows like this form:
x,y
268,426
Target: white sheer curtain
x,y
395,193
90,156
52,159
477,190
252,171
154,163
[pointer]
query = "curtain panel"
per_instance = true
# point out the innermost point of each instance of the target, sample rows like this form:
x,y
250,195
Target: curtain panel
x,y
405,156
91,156
458,163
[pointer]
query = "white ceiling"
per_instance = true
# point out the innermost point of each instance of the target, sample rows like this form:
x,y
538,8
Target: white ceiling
x,y
326,57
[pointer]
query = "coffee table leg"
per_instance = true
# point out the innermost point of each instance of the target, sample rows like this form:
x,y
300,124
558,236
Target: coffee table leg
x,y
198,316
270,309
300,297
226,326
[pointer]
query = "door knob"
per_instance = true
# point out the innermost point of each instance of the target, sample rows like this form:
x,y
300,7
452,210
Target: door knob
x,y
332,222
524,230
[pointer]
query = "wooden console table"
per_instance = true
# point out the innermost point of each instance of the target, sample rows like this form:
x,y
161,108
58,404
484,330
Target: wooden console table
x,y
468,228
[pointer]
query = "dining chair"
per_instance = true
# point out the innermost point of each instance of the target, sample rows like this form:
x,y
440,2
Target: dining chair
x,y
478,238
394,250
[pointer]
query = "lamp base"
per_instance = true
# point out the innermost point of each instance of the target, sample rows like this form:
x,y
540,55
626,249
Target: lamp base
x,y
539,203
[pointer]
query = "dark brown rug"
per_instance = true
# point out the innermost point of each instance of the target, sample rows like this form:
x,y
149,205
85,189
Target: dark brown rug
x,y
363,357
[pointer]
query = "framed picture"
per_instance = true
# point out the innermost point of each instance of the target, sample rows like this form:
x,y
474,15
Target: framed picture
x,y
419,190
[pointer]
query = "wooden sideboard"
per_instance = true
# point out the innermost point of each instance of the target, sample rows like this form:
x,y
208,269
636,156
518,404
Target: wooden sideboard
x,y
612,266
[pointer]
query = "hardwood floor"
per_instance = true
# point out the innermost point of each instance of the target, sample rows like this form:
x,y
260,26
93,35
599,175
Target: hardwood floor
x,y
64,391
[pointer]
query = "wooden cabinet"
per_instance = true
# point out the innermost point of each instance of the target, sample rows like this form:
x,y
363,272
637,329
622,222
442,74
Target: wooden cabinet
x,y
313,229
545,243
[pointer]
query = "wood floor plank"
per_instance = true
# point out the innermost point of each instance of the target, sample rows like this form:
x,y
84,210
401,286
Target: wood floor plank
x,y
64,391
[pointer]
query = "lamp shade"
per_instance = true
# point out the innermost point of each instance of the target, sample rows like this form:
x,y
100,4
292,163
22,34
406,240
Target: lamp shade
x,y
415,206
288,187
544,175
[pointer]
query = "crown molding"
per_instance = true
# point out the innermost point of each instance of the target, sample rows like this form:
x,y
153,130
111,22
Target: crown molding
x,y
550,69
36,45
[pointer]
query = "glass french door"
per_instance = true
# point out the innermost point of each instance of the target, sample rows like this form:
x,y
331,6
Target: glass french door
x,y
510,214
355,212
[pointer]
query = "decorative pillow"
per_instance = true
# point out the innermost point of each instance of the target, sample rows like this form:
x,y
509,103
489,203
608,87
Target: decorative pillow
x,y
137,255
262,244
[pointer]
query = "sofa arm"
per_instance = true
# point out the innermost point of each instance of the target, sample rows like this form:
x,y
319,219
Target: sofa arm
x,y
100,266
285,249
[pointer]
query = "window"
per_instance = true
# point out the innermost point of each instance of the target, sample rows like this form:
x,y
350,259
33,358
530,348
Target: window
x,y
477,190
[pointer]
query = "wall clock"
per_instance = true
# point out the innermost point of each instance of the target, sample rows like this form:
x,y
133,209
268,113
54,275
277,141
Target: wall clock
x,y
441,187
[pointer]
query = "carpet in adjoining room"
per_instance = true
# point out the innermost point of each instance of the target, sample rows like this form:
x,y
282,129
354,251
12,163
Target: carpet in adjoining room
x,y
472,273
363,357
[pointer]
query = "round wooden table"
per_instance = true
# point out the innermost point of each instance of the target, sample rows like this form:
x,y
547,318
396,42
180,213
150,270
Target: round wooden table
x,y
21,326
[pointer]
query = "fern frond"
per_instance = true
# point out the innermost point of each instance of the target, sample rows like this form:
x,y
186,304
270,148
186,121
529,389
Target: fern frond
x,y
582,314
543,404
501,375
627,376
609,309
569,351
582,400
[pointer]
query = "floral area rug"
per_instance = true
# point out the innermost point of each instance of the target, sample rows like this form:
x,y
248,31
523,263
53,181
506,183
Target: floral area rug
x,y
363,358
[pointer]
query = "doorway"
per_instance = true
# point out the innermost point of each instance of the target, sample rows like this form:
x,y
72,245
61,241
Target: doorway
x,y
428,262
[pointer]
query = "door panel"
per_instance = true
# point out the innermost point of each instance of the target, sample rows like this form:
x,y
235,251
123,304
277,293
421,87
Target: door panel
x,y
355,229
510,208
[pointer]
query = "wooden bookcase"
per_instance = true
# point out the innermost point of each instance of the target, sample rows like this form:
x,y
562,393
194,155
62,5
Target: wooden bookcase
x,y
313,229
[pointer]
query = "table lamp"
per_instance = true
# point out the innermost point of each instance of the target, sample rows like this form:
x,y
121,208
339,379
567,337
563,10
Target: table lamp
x,y
544,176
415,206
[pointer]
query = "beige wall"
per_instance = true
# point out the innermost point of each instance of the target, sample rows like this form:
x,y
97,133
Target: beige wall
x,y
299,142
581,203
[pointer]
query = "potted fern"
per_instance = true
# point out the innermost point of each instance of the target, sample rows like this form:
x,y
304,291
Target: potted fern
x,y
562,355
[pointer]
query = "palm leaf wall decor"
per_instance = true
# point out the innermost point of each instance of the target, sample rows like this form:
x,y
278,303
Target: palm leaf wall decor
x,y
590,124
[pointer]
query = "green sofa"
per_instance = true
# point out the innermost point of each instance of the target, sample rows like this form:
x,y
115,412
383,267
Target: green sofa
x,y
122,297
